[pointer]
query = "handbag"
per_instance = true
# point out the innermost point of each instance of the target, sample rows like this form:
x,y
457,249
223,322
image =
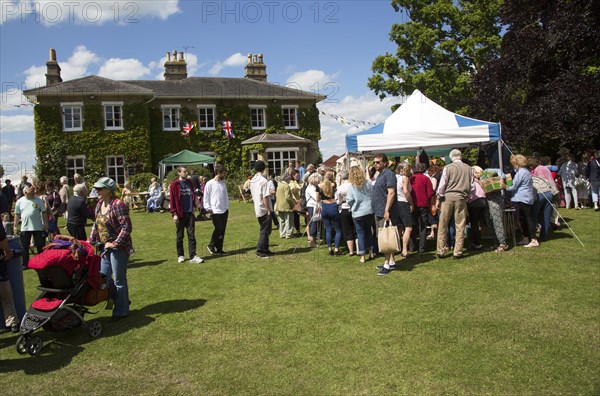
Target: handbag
x,y
432,207
317,215
300,206
388,238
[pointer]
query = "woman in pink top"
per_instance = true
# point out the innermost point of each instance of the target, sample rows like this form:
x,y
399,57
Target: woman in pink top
x,y
476,206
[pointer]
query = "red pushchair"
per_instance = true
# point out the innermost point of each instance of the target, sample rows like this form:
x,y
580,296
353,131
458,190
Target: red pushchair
x,y
70,280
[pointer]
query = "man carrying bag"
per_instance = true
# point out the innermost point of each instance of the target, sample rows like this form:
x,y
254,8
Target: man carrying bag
x,y
385,207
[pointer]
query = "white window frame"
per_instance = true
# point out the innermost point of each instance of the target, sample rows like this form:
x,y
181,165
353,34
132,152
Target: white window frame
x,y
72,106
263,109
115,175
170,109
295,120
283,162
211,107
75,169
113,105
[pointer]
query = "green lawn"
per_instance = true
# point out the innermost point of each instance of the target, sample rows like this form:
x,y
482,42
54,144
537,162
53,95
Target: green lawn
x,y
521,322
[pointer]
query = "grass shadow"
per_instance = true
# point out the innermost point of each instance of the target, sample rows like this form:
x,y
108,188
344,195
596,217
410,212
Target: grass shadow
x,y
413,260
55,356
138,263
61,347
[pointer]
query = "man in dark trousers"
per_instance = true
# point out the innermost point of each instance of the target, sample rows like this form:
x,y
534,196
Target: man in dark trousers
x,y
259,186
77,213
216,202
182,209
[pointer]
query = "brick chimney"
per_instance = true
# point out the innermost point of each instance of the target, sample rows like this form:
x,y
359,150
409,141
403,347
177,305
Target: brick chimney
x,y
175,69
52,69
256,69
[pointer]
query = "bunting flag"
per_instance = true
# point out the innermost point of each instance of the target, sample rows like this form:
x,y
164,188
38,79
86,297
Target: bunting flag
x,y
228,129
187,128
350,121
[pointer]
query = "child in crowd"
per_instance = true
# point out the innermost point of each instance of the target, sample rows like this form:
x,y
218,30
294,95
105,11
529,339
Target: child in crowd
x,y
7,224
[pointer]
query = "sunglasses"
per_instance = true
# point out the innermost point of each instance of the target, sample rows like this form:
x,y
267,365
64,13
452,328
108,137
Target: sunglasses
x,y
378,162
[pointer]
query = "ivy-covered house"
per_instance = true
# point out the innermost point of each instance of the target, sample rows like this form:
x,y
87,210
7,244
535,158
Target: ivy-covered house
x,y
97,126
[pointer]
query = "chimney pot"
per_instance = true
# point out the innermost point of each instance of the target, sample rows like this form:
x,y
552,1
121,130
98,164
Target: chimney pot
x,y
175,68
256,69
52,70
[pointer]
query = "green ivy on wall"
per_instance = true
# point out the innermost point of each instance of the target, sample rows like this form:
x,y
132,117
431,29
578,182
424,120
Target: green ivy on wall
x,y
229,152
143,141
53,145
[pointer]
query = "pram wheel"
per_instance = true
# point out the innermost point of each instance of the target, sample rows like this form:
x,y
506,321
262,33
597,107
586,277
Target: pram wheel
x,y
94,329
34,345
21,345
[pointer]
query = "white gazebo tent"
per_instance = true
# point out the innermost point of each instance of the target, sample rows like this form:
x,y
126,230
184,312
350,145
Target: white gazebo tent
x,y
419,124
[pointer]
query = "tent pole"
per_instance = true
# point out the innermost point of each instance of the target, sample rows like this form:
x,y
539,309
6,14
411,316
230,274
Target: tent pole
x,y
500,162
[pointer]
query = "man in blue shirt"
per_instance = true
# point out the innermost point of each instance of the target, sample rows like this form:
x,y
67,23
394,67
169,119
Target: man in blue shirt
x,y
385,204
300,168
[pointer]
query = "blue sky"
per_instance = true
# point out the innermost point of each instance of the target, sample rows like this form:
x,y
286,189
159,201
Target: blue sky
x,y
324,46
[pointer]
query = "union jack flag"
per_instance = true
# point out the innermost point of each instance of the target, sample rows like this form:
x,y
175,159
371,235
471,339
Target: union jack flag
x,y
188,127
228,129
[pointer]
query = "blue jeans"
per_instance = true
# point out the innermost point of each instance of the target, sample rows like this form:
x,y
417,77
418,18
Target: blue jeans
x,y
331,218
114,264
312,231
364,232
542,206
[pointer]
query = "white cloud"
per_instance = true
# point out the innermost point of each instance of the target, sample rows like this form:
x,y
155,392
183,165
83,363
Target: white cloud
x,y
368,108
17,147
13,99
52,13
76,66
123,69
234,60
17,155
16,123
316,81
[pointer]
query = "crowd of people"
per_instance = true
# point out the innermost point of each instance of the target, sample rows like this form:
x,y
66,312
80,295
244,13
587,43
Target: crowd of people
x,y
344,210
425,200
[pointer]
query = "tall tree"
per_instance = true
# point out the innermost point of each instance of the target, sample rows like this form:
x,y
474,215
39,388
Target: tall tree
x,y
545,86
440,48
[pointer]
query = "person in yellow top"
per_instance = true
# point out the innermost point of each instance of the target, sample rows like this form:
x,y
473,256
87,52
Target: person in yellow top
x,y
284,205
296,187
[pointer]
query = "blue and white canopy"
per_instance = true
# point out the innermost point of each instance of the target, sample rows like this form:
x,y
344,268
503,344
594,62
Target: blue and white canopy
x,y
421,123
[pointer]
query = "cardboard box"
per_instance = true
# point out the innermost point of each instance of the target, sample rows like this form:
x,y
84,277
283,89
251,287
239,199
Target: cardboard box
x,y
508,180
492,184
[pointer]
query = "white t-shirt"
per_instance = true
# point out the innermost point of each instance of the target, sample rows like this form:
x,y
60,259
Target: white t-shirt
x,y
400,188
259,188
311,196
30,211
216,198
